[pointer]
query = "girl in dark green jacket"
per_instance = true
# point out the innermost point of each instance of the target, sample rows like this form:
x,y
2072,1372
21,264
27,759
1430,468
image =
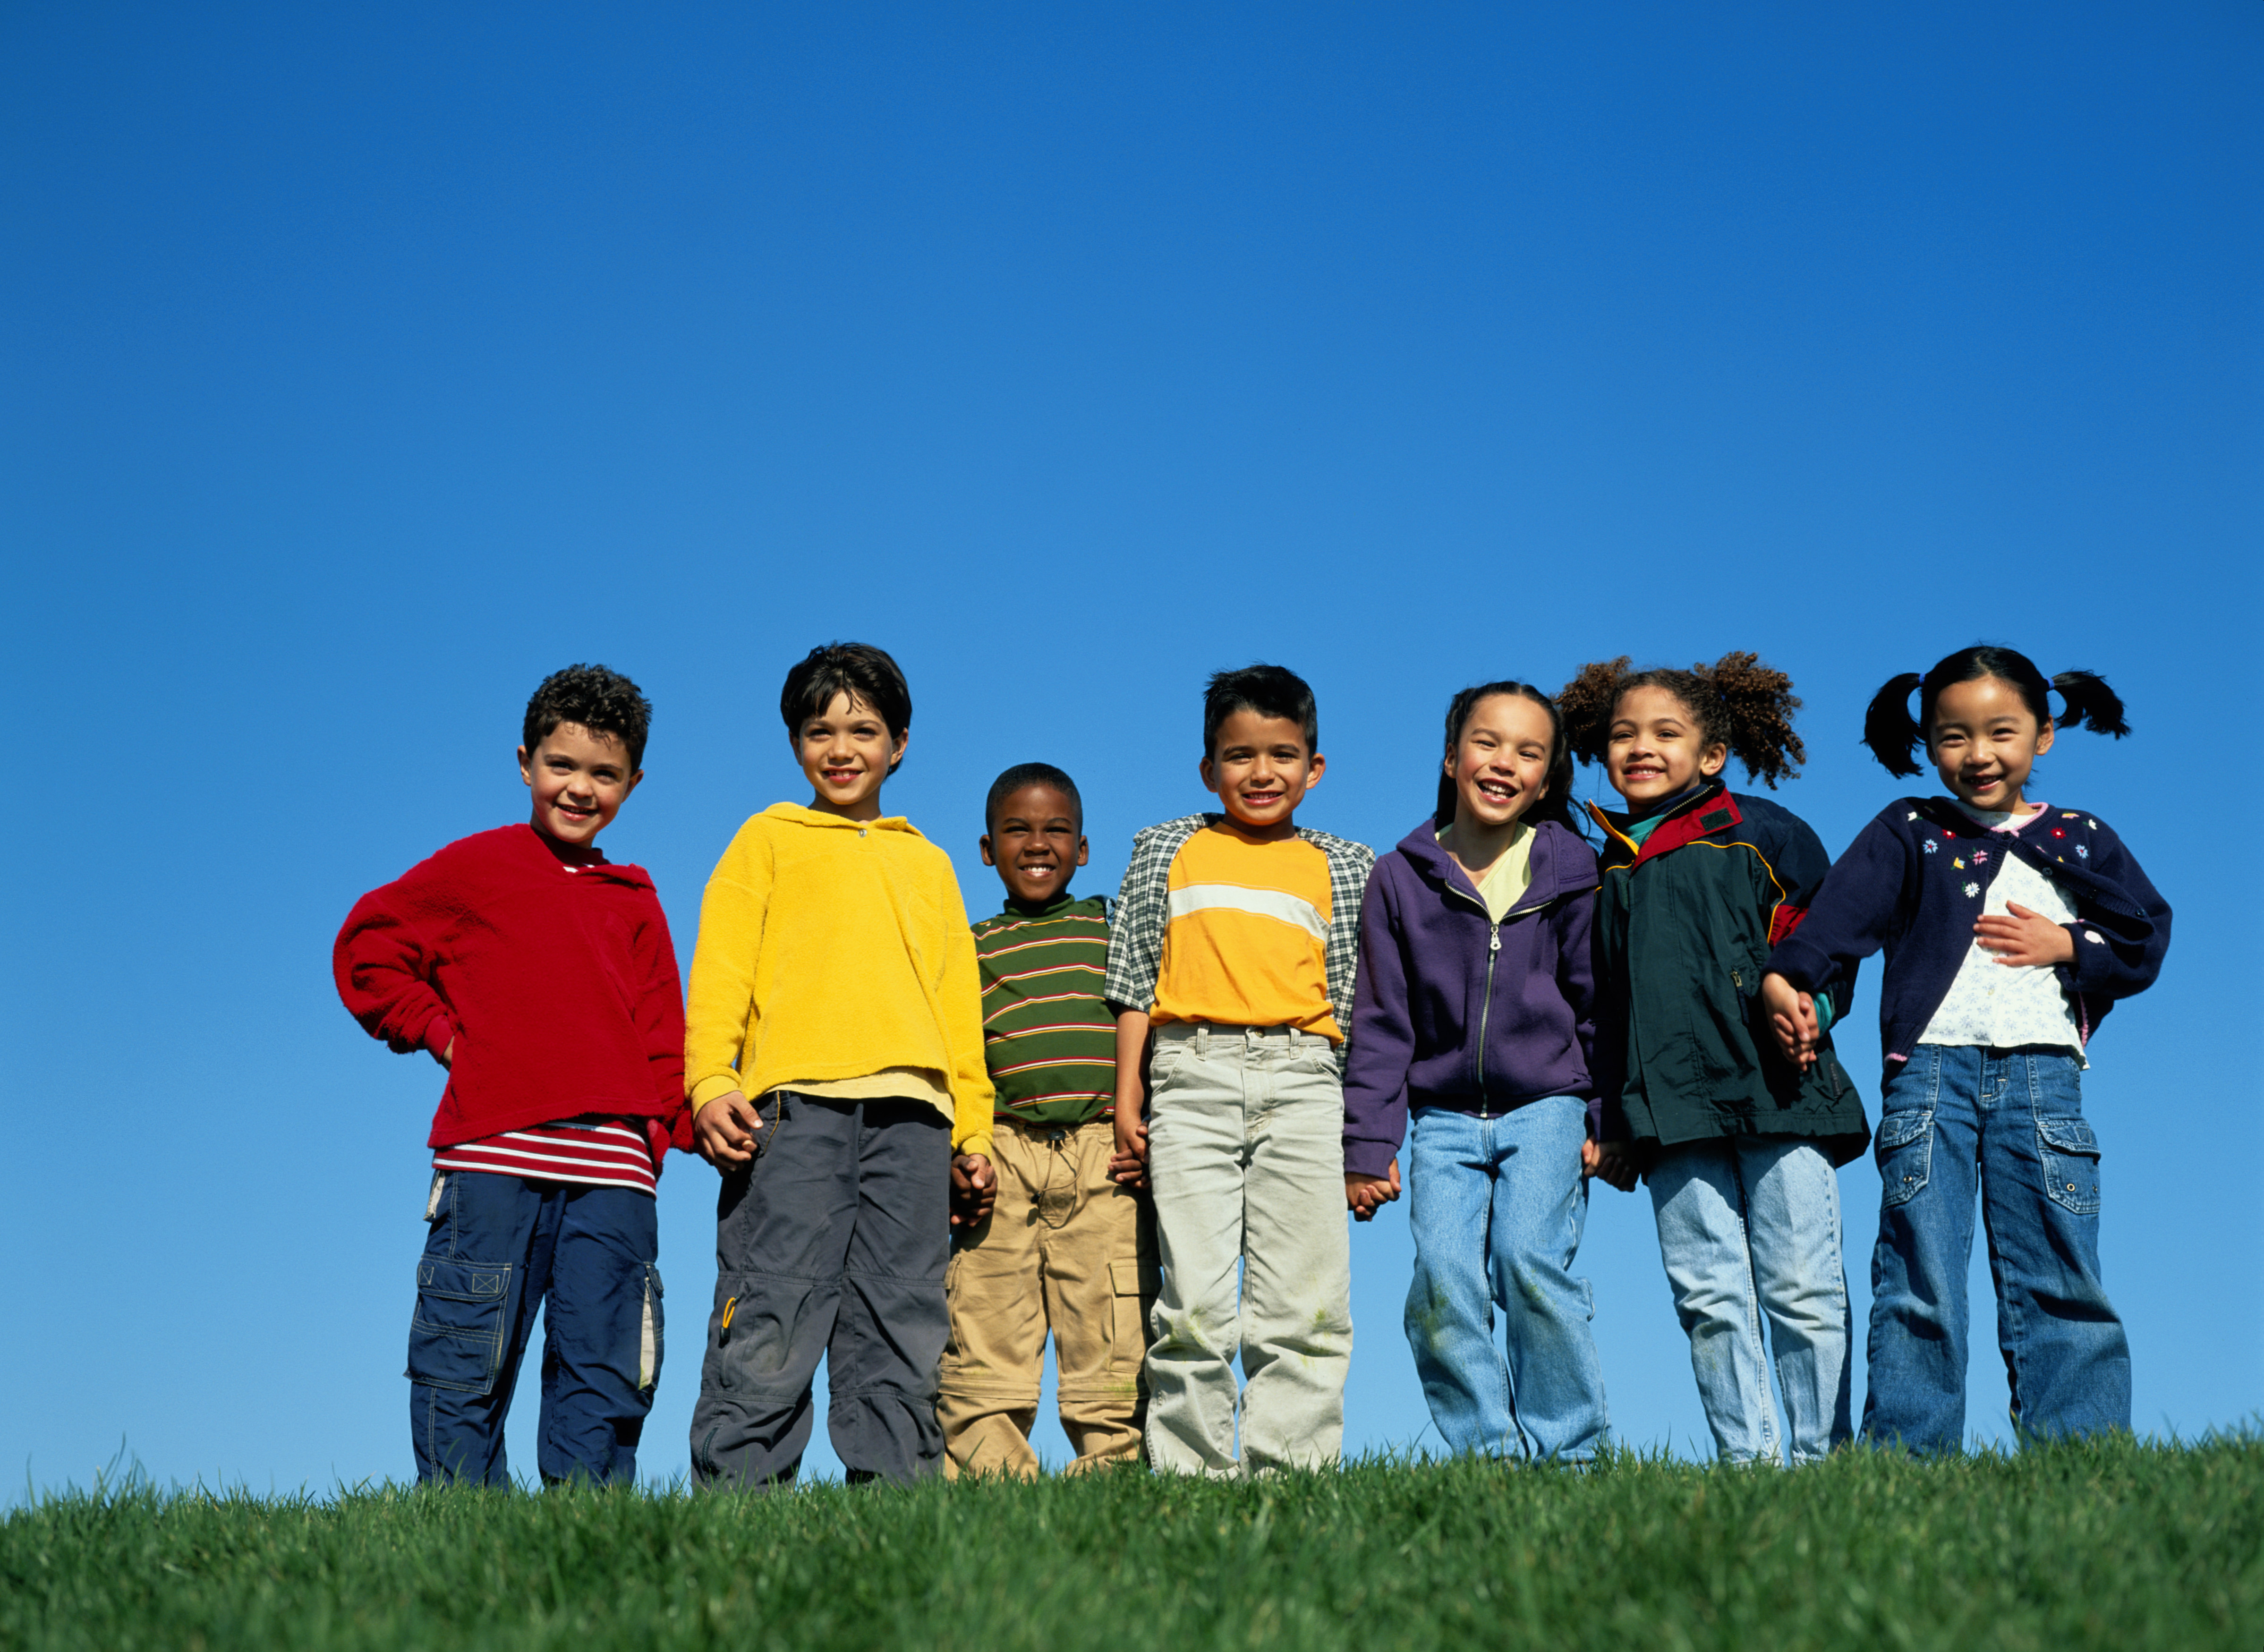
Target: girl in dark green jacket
x,y
1738,1146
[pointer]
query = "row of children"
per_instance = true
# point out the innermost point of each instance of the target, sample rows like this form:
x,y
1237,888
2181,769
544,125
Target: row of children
x,y
1138,1125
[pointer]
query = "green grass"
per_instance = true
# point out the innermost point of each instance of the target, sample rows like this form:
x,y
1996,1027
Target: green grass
x,y
2108,1544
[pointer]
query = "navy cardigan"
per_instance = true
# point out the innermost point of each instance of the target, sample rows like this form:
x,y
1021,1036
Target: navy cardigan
x,y
1913,883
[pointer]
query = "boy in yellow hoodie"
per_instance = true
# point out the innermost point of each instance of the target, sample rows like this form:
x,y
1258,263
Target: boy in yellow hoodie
x,y
834,983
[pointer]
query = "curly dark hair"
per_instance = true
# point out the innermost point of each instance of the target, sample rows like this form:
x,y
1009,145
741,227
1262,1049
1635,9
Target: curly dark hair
x,y
1737,701
1271,690
1024,774
1893,734
1557,804
602,702
858,669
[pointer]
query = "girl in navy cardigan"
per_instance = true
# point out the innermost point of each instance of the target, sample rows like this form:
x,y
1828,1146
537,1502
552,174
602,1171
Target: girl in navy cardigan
x,y
1474,1008
2011,928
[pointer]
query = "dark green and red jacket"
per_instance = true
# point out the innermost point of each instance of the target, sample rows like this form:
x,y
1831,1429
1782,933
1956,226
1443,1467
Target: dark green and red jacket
x,y
1684,923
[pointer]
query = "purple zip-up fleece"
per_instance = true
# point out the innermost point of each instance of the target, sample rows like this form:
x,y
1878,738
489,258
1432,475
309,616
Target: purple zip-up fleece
x,y
1451,1010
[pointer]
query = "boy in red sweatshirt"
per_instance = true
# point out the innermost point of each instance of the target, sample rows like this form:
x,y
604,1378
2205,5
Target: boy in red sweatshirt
x,y
541,977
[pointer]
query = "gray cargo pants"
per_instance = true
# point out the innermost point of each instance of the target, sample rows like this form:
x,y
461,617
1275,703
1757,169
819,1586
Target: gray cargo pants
x,y
833,1243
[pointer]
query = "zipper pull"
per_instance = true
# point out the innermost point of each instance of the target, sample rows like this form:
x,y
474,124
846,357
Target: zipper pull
x,y
1494,943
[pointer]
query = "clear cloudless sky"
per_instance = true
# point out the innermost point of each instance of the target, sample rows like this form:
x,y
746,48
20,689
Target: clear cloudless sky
x,y
362,364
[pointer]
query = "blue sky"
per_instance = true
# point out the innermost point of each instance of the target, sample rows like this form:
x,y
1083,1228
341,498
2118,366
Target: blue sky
x,y
365,364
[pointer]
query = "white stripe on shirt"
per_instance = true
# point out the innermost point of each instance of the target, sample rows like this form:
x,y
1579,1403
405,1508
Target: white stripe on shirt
x,y
609,1153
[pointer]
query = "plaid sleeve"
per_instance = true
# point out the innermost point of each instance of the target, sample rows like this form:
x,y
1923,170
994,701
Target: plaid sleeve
x,y
1349,865
1135,939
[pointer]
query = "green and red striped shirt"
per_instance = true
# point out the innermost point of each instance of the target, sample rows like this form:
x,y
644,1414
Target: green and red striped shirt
x,y
1048,1035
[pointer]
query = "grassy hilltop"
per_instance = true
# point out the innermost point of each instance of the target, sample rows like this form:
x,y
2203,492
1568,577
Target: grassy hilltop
x,y
2102,1545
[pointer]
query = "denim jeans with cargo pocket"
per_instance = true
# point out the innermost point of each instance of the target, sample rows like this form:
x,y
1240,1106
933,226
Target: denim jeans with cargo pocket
x,y
2008,1124
498,1248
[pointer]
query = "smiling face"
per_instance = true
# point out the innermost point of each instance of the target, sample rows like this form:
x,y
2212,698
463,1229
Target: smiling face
x,y
579,779
846,752
1261,769
1500,762
1656,749
1984,741
1037,842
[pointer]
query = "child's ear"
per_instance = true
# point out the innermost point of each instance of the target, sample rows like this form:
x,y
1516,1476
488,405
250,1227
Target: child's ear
x,y
1204,769
983,844
1717,759
1083,852
2044,736
525,771
897,756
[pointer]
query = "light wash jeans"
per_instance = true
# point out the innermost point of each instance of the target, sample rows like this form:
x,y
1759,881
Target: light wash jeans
x,y
2008,1125
1497,1205
1246,1152
1749,1229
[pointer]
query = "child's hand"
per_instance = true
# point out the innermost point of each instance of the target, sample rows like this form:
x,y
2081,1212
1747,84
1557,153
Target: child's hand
x,y
974,1190
2022,939
1792,1017
1129,1164
724,1131
1608,1162
447,1057
1365,1195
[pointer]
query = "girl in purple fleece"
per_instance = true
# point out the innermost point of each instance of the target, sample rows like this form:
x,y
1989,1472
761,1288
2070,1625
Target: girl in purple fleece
x,y
1474,1013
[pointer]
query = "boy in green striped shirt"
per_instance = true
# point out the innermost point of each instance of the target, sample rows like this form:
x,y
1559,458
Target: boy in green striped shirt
x,y
1045,1238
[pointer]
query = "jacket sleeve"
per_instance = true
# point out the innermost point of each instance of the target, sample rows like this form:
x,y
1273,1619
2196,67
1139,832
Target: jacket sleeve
x,y
1802,865
660,1021
384,965
1852,912
1608,1065
720,1009
2117,955
1575,921
1135,941
959,1001
1382,1039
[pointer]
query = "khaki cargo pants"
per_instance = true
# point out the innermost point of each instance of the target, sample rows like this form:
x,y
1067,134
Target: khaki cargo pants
x,y
1068,1249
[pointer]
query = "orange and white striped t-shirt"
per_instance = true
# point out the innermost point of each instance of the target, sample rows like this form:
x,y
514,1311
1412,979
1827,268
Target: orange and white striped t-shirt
x,y
1245,939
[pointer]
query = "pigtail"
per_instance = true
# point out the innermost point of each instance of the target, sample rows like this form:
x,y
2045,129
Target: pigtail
x,y
1760,703
1586,703
1890,730
2091,704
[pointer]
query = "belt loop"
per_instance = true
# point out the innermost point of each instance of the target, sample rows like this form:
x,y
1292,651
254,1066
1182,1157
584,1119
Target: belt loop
x,y
1203,1040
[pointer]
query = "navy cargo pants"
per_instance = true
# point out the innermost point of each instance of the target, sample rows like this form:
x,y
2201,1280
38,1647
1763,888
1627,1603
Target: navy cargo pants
x,y
499,1247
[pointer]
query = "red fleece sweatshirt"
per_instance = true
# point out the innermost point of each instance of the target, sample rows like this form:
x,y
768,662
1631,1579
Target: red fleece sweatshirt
x,y
559,988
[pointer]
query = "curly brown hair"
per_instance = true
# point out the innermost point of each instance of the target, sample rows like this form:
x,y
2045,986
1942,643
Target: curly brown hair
x,y
1739,701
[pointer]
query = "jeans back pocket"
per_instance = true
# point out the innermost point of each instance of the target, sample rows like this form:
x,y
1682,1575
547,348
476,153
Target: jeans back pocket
x,y
2069,1153
456,1335
1905,1147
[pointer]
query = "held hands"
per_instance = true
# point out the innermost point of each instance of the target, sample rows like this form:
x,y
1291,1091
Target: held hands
x,y
724,1131
974,1190
2022,938
1608,1162
1792,1017
1129,1164
1365,1195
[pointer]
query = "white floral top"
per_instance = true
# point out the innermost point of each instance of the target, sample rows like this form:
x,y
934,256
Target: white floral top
x,y
1989,1003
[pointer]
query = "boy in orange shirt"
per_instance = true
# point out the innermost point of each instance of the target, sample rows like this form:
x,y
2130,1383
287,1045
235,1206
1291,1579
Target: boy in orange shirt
x,y
1230,972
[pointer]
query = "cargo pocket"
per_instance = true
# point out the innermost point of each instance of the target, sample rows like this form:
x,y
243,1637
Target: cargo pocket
x,y
455,1337
2070,1154
1906,1155
652,1326
1128,1323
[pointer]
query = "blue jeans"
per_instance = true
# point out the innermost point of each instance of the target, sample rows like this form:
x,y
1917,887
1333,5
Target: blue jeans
x,y
499,1247
1749,1230
2011,1121
1497,1205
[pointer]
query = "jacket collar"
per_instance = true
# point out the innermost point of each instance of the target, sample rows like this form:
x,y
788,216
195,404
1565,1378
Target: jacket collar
x,y
537,851
803,815
1550,878
1705,813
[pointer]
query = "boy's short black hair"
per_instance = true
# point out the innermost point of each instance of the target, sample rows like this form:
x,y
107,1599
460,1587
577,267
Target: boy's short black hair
x,y
858,669
602,702
1271,690
1024,774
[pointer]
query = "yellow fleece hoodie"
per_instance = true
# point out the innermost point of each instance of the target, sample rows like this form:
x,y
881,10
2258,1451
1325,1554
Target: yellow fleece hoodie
x,y
832,949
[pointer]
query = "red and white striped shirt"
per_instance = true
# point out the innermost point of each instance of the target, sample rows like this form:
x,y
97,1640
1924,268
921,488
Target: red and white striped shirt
x,y
602,1152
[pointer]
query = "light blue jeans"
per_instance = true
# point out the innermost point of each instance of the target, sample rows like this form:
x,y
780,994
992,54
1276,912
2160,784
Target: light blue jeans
x,y
1497,1205
1749,1229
